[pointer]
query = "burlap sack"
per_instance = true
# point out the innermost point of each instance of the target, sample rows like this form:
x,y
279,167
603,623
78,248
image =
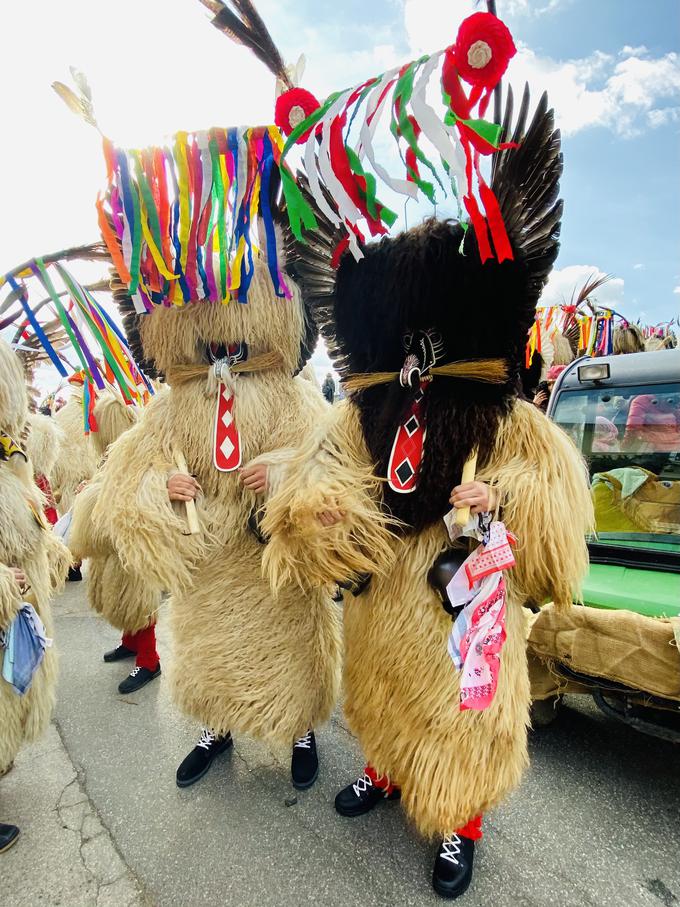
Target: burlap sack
x,y
640,652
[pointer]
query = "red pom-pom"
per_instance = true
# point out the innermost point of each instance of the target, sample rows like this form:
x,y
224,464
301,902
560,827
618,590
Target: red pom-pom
x,y
483,49
292,107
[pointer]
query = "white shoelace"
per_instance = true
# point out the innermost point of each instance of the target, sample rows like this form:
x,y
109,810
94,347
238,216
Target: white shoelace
x,y
304,743
207,739
451,848
362,785
135,671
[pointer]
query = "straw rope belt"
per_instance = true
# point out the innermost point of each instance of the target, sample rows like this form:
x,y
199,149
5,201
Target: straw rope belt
x,y
489,371
181,374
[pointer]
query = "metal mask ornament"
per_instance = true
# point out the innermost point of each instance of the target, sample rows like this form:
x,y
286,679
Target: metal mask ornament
x,y
423,350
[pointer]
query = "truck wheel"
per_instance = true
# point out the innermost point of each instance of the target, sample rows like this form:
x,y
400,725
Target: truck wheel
x,y
545,711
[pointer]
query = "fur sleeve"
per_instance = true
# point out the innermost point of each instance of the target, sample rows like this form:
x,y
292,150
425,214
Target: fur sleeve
x,y
59,559
546,499
10,597
331,471
82,538
278,462
133,509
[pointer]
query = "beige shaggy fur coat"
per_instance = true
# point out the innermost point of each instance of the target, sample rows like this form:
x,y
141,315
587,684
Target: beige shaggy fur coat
x,y
77,460
27,544
124,598
243,660
402,691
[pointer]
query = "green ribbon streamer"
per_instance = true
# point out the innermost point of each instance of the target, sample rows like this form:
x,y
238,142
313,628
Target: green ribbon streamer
x,y
403,127
148,201
218,187
375,208
61,312
300,213
136,231
490,132
94,328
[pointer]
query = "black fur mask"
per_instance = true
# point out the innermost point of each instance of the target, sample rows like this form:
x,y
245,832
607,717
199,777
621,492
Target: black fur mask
x,y
421,281
425,280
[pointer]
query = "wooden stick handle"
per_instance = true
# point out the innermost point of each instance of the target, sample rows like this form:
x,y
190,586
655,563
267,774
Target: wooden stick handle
x,y
469,470
192,516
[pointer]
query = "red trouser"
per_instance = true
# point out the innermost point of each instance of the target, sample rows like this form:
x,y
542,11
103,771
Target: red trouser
x,y
472,830
143,644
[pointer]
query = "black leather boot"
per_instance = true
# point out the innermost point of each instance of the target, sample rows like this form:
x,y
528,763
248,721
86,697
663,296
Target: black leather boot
x,y
201,757
118,654
138,678
362,796
304,764
453,866
8,836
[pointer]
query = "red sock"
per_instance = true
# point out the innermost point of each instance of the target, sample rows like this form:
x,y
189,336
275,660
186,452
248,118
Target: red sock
x,y
129,640
473,829
382,783
144,644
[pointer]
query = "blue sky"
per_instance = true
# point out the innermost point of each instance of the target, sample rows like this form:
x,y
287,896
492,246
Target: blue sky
x,y
611,68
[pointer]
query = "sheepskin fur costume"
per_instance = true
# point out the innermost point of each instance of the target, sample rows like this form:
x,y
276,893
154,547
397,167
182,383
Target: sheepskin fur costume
x,y
77,460
43,444
125,599
27,544
243,661
402,691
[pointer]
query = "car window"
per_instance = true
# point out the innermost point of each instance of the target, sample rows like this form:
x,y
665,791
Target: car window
x,y
630,438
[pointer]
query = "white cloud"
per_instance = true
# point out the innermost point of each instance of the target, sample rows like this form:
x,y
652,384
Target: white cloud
x,y
565,283
429,22
625,96
638,267
628,51
660,117
676,290
625,93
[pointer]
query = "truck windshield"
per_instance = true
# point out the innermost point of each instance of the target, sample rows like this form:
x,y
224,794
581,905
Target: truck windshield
x,y
630,438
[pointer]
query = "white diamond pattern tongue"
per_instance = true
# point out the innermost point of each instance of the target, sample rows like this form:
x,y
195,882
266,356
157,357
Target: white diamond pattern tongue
x,y
227,441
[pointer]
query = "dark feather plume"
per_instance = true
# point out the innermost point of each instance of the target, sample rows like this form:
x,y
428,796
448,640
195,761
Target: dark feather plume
x,y
245,26
526,183
309,265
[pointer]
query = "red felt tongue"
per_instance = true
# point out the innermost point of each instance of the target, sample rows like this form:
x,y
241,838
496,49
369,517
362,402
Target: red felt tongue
x,y
407,449
227,449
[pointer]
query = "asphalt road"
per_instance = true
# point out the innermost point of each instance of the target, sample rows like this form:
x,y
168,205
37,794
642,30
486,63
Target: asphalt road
x,y
596,821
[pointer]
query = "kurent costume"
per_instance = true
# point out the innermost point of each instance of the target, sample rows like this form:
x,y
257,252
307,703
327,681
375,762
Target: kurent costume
x,y
561,333
428,332
200,244
43,446
77,460
26,542
111,589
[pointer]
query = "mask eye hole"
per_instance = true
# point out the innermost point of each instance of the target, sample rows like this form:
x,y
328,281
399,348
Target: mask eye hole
x,y
215,351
